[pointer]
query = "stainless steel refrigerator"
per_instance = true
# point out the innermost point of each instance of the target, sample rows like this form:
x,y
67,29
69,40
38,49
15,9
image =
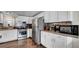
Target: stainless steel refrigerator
x,y
37,27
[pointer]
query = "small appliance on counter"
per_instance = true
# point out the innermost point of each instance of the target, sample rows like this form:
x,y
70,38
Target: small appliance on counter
x,y
56,28
69,29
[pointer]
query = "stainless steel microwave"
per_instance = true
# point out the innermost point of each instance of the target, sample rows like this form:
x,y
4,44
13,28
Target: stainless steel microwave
x,y
69,29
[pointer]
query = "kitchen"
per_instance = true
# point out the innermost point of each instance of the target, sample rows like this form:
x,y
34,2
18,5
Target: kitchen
x,y
39,29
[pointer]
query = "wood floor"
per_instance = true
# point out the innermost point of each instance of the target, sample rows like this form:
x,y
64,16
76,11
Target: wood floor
x,y
26,43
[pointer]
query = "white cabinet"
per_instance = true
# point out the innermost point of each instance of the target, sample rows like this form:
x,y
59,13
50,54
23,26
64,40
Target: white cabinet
x,y
11,35
1,18
62,15
8,35
3,36
60,42
47,16
51,40
75,17
29,33
50,16
30,20
69,42
21,19
8,19
53,16
75,43
46,39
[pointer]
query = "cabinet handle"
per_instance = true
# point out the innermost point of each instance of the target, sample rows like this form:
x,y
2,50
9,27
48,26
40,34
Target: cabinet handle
x,y
0,36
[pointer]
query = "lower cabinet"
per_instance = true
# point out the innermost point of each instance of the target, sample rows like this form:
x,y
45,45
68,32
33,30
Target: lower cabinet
x,y
60,42
51,40
8,35
75,43
11,35
3,36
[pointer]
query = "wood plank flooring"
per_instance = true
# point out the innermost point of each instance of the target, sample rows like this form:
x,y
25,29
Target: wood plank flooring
x,y
26,43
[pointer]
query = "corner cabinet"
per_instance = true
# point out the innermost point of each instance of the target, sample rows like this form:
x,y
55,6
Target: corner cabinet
x,y
46,40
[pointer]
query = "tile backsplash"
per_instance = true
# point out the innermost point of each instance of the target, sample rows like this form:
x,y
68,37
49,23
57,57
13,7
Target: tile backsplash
x,y
58,23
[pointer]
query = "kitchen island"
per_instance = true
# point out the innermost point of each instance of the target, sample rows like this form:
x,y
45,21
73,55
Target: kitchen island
x,y
8,35
51,39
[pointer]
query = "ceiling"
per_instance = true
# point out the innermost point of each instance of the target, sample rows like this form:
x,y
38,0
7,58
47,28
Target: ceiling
x,y
26,13
23,13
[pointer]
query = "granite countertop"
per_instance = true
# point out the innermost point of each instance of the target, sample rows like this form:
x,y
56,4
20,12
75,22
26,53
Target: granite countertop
x,y
3,29
67,35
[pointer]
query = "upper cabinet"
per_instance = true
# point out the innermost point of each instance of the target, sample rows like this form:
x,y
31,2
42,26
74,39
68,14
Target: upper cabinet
x,y
8,19
30,20
21,19
58,16
50,16
55,16
64,16
46,16
1,18
75,17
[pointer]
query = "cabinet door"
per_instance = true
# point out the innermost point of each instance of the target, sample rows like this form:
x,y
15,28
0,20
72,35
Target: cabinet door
x,y
60,42
62,15
1,18
69,42
47,16
30,20
53,16
53,42
11,35
75,43
49,40
43,38
3,36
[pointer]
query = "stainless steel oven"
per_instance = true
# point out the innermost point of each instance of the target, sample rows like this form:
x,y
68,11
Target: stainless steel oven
x,y
22,34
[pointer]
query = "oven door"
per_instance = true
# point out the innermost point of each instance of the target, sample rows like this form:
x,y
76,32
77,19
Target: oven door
x,y
23,33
